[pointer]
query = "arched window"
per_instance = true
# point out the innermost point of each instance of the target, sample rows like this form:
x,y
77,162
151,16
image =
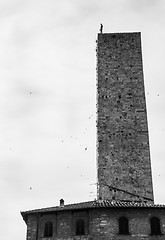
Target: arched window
x,y
80,227
48,230
123,225
155,226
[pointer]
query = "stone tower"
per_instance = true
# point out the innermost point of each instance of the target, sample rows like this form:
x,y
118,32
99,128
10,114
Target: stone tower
x,y
123,162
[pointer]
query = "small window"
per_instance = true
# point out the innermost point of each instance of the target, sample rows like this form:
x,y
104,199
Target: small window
x,y
123,225
155,226
48,230
80,227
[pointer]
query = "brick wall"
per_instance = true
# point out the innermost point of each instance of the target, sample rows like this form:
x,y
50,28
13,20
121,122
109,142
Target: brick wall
x,y
105,224
102,224
122,130
32,227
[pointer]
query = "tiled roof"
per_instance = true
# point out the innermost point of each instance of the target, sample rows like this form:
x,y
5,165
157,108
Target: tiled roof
x,y
82,205
94,204
128,204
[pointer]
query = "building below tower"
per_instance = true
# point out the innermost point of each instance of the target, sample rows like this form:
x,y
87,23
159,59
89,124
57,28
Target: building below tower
x,y
97,220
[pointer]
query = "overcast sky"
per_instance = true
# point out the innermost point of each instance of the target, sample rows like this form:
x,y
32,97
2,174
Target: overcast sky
x,y
48,99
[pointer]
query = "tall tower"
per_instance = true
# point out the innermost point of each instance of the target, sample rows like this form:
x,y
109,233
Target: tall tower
x,y
124,168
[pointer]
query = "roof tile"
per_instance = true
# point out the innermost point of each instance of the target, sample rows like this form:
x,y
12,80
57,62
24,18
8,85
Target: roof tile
x,y
94,204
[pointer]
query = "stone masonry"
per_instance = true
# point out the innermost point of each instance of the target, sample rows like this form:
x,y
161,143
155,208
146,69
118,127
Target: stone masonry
x,y
102,224
124,168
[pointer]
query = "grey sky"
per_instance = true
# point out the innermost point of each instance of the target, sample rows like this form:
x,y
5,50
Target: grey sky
x,y
48,98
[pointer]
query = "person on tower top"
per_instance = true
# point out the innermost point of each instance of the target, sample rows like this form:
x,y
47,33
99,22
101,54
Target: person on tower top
x,y
101,28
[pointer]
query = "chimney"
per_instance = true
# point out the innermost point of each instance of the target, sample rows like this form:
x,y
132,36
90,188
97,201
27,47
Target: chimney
x,y
61,202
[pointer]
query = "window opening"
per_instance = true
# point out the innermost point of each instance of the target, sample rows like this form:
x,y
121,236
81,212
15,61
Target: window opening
x,y
123,225
155,226
48,230
80,227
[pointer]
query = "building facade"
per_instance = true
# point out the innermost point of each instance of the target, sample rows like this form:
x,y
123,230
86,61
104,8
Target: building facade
x,y
125,207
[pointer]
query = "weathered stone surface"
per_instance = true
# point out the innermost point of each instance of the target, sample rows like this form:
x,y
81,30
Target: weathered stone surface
x,y
124,168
